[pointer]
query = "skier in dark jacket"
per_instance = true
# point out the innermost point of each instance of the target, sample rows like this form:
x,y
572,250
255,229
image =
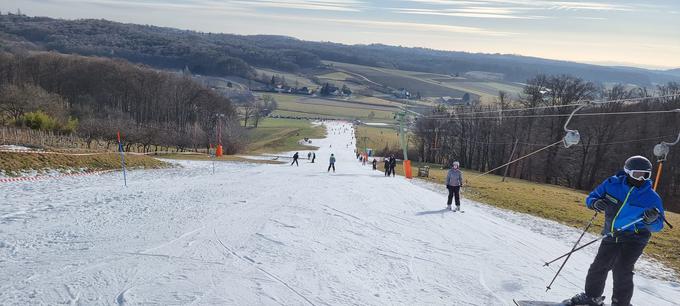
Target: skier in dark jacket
x,y
375,164
387,166
454,180
393,164
331,163
624,198
295,159
313,157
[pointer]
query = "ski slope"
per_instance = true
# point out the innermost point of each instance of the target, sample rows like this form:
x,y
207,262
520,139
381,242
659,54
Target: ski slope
x,y
280,235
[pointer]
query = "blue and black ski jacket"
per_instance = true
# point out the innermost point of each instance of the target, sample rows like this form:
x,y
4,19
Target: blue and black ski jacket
x,y
626,204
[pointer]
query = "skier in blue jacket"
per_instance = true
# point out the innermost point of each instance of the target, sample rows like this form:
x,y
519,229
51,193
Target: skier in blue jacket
x,y
623,198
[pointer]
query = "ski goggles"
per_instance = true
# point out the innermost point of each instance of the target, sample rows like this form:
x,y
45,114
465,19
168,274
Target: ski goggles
x,y
639,174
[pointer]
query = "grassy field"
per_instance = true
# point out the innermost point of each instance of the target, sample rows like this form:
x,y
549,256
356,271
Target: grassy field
x,y
556,203
310,106
400,79
337,76
291,79
376,137
281,135
13,163
431,84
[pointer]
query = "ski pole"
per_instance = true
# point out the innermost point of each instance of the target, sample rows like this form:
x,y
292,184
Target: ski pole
x,y
666,221
122,158
610,234
572,249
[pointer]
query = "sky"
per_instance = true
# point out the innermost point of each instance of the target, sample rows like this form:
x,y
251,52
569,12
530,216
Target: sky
x,y
608,32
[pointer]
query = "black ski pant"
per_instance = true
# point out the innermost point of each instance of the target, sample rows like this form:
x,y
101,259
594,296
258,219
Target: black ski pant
x,y
295,162
454,191
393,171
332,165
387,171
620,258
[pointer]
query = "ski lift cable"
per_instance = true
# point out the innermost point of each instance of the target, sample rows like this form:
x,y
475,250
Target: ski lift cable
x,y
542,144
560,115
522,157
585,102
628,141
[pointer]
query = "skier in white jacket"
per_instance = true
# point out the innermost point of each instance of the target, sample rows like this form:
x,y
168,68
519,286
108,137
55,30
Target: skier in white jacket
x,y
454,180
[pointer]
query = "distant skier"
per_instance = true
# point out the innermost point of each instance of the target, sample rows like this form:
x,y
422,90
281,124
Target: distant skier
x,y
313,157
331,164
387,166
309,155
295,159
375,164
454,180
393,165
624,197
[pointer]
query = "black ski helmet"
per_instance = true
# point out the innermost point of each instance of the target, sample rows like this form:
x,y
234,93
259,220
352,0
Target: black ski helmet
x,y
638,163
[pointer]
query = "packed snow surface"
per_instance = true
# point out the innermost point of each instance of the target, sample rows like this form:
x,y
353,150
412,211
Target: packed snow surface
x,y
14,148
279,235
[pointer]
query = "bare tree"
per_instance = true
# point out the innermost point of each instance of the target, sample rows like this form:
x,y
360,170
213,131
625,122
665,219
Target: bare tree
x,y
248,110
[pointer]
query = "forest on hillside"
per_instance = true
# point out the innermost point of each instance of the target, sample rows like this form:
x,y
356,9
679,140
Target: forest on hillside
x,y
97,97
482,138
227,54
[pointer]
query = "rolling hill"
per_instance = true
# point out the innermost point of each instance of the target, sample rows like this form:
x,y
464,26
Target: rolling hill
x,y
228,54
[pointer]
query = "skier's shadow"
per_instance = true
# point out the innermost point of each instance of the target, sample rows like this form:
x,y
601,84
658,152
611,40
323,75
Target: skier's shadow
x,y
432,212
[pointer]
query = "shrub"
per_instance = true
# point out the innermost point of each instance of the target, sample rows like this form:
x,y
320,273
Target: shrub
x,y
38,120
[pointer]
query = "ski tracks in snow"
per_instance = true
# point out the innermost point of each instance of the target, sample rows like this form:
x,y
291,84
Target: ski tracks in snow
x,y
275,235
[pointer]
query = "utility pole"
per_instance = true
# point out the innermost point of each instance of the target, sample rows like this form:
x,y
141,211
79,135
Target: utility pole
x,y
505,173
404,144
402,135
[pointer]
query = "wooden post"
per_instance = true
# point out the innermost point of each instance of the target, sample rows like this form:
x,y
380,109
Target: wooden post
x,y
505,173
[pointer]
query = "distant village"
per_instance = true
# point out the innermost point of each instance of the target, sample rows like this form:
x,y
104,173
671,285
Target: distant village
x,y
240,93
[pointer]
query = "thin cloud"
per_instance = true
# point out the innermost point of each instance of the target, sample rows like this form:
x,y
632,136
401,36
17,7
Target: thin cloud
x,y
191,5
590,18
592,6
237,5
536,4
391,25
471,13
322,5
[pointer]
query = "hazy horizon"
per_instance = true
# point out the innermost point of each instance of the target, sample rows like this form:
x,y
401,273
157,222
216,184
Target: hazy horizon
x,y
611,33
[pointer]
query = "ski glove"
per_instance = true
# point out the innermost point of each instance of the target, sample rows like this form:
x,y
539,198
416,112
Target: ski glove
x,y
600,205
650,215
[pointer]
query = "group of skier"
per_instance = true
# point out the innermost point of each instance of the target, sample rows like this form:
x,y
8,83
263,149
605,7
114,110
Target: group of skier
x,y
312,156
390,165
632,209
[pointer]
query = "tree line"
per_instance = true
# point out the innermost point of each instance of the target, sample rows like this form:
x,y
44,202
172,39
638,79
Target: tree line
x,y
482,138
97,97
